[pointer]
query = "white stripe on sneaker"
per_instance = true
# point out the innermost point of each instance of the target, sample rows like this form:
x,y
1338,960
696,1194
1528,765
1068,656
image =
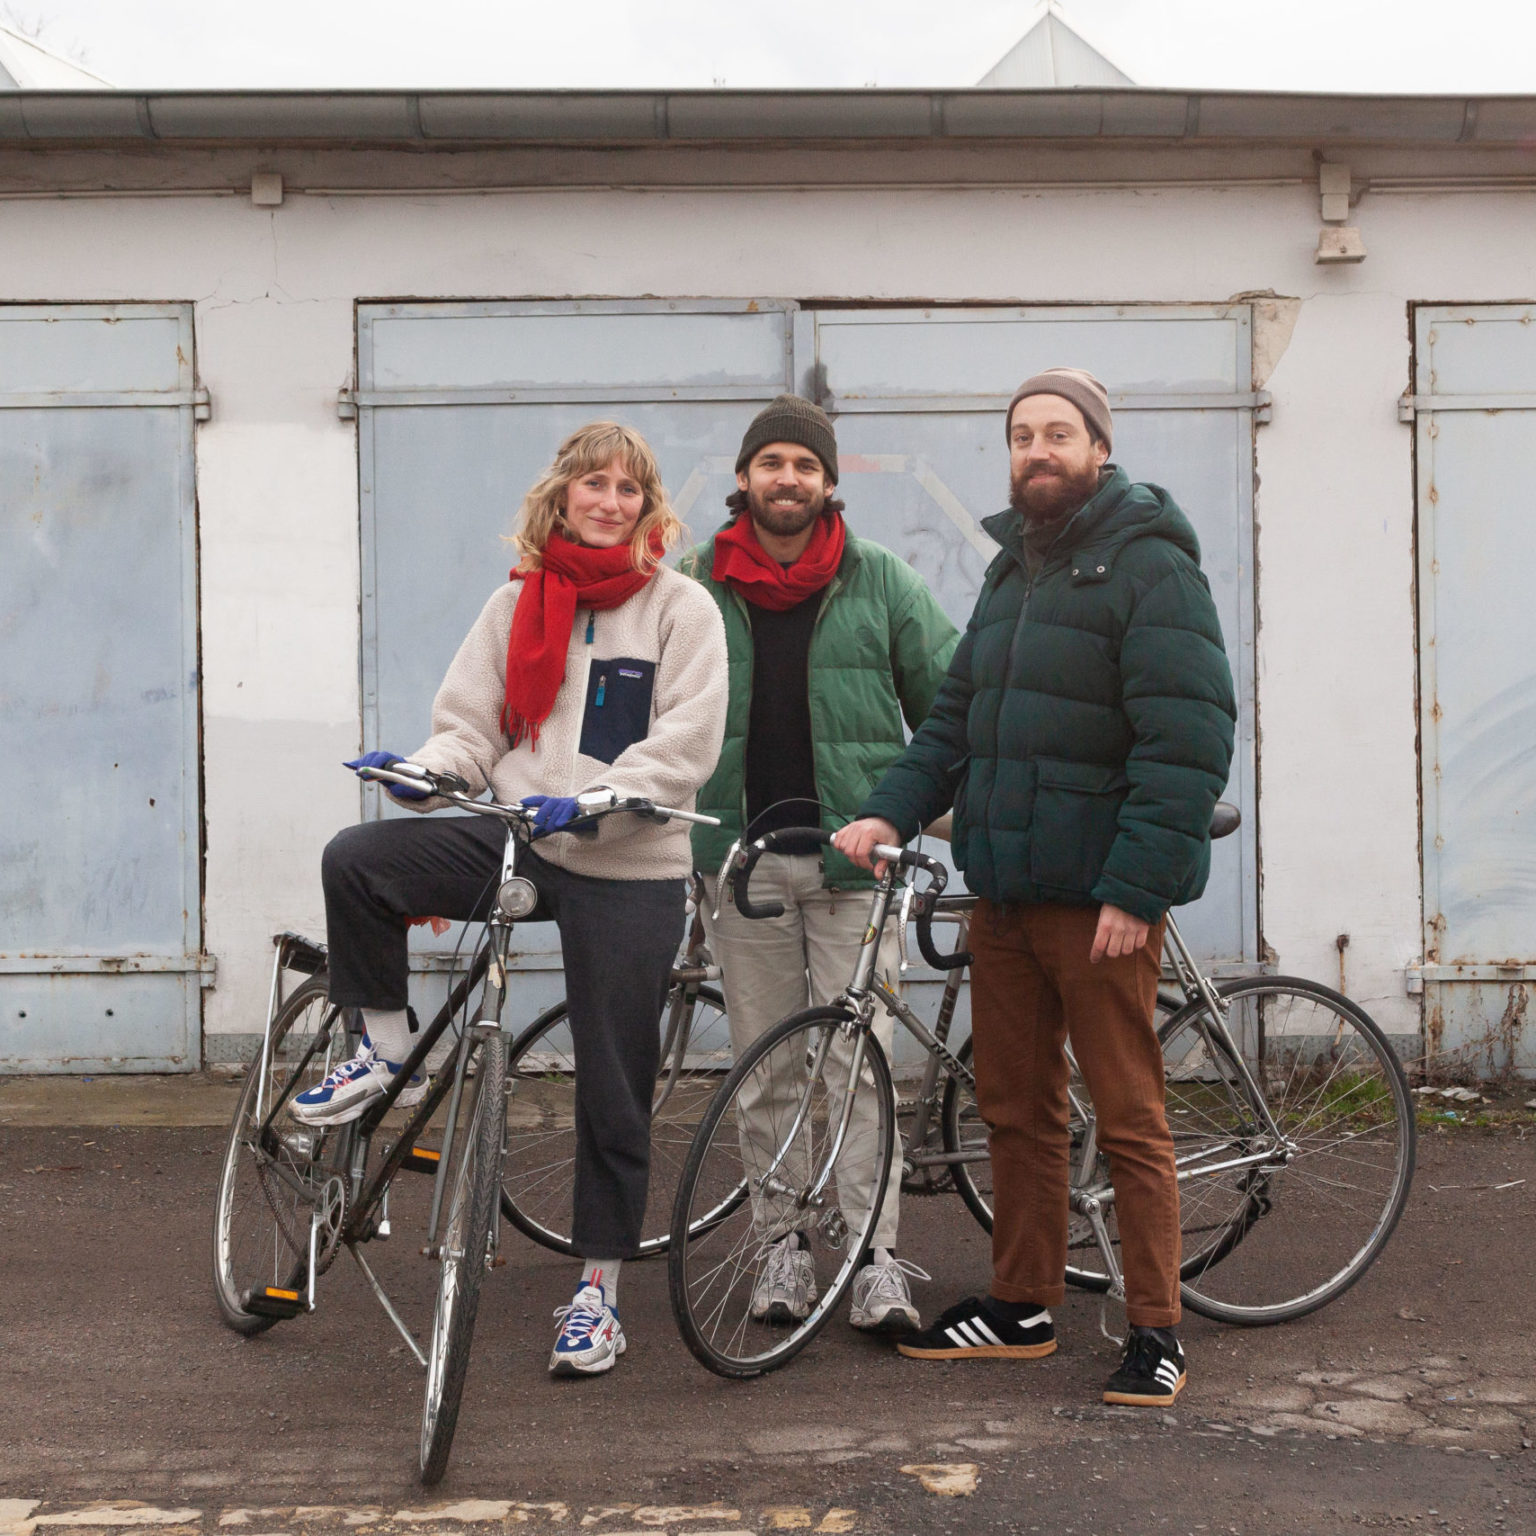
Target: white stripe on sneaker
x,y
980,1325
1167,1372
958,1338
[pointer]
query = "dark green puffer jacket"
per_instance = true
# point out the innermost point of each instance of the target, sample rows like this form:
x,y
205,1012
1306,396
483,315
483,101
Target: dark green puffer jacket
x,y
878,653
1084,731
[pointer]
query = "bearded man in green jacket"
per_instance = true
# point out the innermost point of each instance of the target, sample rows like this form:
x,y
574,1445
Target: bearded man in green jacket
x,y
1083,735
832,640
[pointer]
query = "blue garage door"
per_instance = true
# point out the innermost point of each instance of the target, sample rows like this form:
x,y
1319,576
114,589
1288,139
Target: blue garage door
x,y
1475,410
461,405
99,846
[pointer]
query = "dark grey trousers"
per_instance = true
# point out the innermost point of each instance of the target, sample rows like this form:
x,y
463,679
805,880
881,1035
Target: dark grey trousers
x,y
618,939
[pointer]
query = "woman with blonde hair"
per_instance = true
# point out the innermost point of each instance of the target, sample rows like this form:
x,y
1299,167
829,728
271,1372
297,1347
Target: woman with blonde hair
x,y
594,667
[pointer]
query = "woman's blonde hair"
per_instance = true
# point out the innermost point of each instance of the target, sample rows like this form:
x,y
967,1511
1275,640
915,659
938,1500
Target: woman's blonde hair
x,y
595,446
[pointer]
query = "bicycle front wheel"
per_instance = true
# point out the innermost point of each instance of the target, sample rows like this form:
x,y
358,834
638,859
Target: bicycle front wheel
x,y
1278,1222
761,1171
277,1174
467,1245
541,1120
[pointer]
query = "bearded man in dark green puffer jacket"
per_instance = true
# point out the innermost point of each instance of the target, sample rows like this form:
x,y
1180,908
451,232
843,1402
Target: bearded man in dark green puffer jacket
x,y
1083,734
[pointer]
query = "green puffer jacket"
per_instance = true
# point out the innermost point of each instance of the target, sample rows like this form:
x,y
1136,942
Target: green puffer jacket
x,y
1085,729
879,651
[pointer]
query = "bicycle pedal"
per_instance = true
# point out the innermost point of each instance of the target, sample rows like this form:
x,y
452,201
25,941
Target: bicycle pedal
x,y
274,1301
422,1160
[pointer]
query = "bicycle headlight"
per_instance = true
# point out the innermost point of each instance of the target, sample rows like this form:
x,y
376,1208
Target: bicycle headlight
x,y
517,897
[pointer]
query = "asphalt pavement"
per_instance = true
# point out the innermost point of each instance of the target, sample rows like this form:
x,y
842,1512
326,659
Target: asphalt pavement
x,y
1408,1404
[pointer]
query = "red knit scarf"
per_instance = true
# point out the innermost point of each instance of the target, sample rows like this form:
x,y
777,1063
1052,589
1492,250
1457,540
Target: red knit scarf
x,y
571,576
744,565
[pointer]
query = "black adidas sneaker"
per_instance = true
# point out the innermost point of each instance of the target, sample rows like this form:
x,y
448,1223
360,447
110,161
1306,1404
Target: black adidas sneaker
x,y
1152,1372
969,1331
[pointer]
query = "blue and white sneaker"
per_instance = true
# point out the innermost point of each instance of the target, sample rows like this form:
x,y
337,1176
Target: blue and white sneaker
x,y
351,1087
590,1336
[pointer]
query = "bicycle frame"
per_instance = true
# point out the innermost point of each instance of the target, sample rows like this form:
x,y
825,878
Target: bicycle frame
x,y
1090,1199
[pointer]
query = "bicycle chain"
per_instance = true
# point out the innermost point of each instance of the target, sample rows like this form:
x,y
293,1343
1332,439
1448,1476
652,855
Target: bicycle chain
x,y
332,1225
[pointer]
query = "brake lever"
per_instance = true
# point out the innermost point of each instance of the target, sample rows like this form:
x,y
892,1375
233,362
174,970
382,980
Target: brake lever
x,y
908,897
727,869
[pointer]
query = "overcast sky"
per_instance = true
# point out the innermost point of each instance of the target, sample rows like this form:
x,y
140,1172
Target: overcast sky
x,y
1336,45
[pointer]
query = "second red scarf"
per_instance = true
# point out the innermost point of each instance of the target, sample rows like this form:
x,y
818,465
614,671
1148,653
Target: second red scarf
x,y
744,565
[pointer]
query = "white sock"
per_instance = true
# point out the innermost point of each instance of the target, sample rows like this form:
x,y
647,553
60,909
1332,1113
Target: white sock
x,y
390,1031
604,1274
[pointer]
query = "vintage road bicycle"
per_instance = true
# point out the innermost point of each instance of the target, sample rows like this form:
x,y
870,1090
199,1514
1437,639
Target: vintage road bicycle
x,y
291,1196
1293,1132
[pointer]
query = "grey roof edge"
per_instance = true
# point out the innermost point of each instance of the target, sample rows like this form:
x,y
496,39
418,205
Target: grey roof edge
x,y
632,117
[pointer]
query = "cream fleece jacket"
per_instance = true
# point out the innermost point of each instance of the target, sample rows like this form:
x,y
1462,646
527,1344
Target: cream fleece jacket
x,y
671,624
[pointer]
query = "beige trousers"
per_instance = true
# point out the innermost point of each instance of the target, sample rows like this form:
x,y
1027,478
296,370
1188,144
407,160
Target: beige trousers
x,y
773,967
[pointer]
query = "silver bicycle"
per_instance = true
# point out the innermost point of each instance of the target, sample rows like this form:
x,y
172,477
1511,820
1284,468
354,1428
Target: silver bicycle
x,y
1292,1124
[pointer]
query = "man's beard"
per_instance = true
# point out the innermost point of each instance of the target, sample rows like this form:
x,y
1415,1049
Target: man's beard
x,y
1041,498
786,522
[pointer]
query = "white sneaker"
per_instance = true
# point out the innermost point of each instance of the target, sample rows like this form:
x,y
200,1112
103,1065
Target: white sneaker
x,y
590,1336
351,1087
787,1286
882,1302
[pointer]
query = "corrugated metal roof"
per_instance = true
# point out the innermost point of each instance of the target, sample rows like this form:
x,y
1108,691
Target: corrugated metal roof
x,y
651,117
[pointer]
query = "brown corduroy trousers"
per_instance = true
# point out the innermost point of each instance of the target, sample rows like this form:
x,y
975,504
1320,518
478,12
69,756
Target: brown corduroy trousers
x,y
1032,988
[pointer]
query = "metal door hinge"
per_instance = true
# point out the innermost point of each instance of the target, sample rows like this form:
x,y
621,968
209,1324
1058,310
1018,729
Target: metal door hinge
x,y
346,404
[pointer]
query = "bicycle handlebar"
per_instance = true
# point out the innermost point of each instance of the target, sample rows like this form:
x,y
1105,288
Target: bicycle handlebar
x,y
924,905
450,787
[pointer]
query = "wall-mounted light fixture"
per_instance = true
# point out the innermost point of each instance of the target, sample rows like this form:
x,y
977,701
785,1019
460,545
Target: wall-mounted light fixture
x,y
1338,240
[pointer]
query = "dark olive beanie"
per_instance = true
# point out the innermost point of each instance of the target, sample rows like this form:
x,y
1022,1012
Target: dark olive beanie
x,y
789,419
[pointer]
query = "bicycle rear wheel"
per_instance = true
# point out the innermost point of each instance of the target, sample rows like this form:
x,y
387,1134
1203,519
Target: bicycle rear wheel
x,y
277,1173
965,1138
467,1247
751,1180
1297,1221
537,1185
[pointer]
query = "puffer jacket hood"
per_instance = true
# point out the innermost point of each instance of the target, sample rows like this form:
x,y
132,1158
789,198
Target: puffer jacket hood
x,y
1119,512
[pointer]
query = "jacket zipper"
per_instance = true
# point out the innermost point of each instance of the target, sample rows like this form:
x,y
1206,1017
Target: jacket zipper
x,y
586,673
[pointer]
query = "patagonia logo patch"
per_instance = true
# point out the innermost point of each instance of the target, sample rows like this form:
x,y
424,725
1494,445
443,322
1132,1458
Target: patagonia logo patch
x,y
626,672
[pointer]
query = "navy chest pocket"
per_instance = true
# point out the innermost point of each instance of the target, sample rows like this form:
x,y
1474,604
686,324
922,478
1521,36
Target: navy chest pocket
x,y
618,709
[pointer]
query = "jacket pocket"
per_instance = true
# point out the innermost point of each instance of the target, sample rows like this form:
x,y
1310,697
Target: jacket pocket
x,y
618,707
1075,822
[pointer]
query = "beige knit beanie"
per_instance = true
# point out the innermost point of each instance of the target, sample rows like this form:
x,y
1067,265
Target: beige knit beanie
x,y
1076,385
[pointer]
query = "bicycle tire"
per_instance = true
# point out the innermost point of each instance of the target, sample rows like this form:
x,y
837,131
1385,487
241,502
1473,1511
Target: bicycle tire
x,y
716,1259
268,1186
1280,1239
963,1130
537,1187
469,1230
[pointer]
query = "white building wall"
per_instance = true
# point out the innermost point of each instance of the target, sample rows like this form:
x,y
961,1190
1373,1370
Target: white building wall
x,y
274,293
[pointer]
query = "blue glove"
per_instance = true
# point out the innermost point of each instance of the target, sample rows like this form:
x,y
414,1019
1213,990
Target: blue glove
x,y
553,811
386,760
